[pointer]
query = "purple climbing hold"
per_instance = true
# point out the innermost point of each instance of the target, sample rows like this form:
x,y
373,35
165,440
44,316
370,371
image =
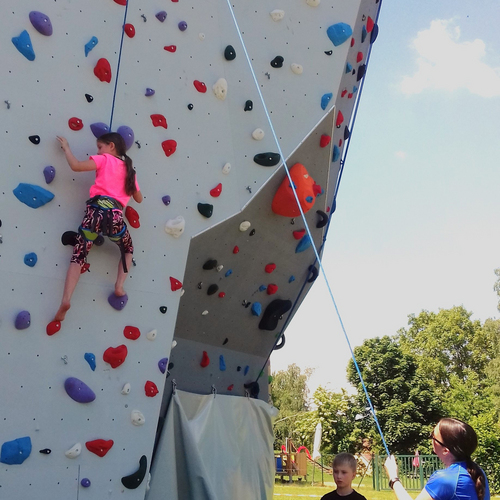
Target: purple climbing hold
x,y
117,302
23,320
161,16
79,391
162,364
183,25
41,22
23,44
30,259
374,33
85,482
49,173
98,129
149,92
166,200
128,135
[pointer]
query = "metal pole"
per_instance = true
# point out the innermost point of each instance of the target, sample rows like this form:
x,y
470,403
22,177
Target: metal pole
x,y
322,482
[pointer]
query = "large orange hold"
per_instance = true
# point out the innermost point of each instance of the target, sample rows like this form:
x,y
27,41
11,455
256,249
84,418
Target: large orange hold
x,y
284,202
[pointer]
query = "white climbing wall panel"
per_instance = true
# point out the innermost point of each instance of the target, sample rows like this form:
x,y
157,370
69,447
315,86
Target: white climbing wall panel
x,y
39,96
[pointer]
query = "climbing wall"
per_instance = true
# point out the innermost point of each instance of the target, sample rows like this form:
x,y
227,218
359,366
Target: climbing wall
x,y
80,407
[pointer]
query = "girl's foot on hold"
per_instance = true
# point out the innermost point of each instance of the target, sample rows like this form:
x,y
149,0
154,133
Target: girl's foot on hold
x,y
61,313
119,291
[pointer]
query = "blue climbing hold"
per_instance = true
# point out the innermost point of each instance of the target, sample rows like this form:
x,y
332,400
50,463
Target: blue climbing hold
x,y
49,173
336,153
348,68
256,309
354,89
246,370
339,33
363,34
90,45
90,359
291,279
325,100
228,273
262,288
30,259
23,320
16,452
304,244
222,363
309,199
31,195
374,33
23,44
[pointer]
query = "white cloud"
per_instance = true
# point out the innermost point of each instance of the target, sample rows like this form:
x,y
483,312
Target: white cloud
x,y
446,63
400,154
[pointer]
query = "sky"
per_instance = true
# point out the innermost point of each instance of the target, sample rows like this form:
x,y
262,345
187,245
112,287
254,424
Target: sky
x,y
417,222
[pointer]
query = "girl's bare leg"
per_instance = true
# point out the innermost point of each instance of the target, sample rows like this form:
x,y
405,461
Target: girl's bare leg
x,y
72,277
122,276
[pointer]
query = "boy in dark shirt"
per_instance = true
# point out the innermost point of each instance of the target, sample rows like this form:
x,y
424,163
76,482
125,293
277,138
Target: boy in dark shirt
x,y
344,472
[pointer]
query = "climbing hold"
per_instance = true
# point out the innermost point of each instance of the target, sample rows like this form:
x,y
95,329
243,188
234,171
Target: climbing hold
x,y
15,452
74,451
277,62
245,371
201,36
236,249
284,201
248,105
340,119
229,53
313,3
324,141
336,153
298,234
150,389
134,480
297,68
163,309
129,30
200,86
313,270
162,364
281,343
344,92
103,70
226,168
252,232
78,391
126,389
361,72
359,56
205,360
182,25
270,268
364,32
374,33
45,451
244,226
166,200
90,359
151,335
128,135
220,89
304,244
85,482
253,389
216,191
132,217
170,48
210,264
230,387
370,24
258,134
117,302
277,15
346,133
75,123
23,44
41,22
90,45
159,121
98,129
222,295
32,195
175,284
267,159
89,98
212,289
272,289
23,320
339,33
256,309
115,356
291,279
238,368
53,327
121,2
30,259
228,273
328,52
226,340
190,106
35,139
323,219
325,99
169,147
175,227
49,173
99,446
131,332
273,312
222,363
206,209
137,418
262,288
161,16
149,92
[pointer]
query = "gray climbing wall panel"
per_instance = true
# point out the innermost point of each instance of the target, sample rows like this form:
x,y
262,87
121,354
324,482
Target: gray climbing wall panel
x,y
41,96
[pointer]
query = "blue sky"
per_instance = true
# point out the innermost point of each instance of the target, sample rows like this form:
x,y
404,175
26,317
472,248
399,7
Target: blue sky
x,y
418,212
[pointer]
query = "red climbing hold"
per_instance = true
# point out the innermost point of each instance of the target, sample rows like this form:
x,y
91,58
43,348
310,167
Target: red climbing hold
x,y
150,389
131,332
132,217
272,289
115,356
75,123
222,295
205,360
230,387
369,24
175,284
270,268
169,147
100,446
53,327
236,249
170,48
216,191
352,42
129,30
359,56
85,267
343,93
299,234
103,70
349,96
159,121
317,189
340,119
340,143
200,86
324,141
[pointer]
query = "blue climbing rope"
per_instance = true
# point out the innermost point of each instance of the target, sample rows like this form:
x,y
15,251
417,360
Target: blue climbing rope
x,y
372,409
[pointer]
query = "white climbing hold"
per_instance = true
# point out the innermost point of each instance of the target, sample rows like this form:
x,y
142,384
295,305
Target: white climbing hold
x,y
226,168
220,267
313,3
258,134
220,88
244,226
175,227
137,417
148,485
74,451
174,343
126,389
297,68
204,313
182,291
277,14
201,36
151,335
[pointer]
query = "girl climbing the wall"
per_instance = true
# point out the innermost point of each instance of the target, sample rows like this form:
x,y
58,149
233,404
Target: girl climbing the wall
x,y
115,183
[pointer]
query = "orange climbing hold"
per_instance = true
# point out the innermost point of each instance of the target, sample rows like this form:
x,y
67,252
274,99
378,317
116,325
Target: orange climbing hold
x,y
103,70
53,327
115,356
324,141
132,217
131,332
205,360
150,389
159,120
175,284
216,191
100,446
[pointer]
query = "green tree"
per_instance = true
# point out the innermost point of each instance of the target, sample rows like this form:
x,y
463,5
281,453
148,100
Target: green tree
x,y
496,286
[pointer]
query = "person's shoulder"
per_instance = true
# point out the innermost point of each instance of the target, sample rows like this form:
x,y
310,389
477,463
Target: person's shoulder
x,y
332,495
356,496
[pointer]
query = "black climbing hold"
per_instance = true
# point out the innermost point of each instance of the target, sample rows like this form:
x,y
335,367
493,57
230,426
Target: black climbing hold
x,y
253,389
272,314
200,285
280,344
69,238
45,451
238,369
35,139
190,106
163,309
230,53
134,480
206,209
361,72
328,52
212,289
252,232
89,98
226,340
267,159
353,72
0,223
170,366
314,274
248,105
323,219
346,133
247,305
374,33
99,240
277,62
210,264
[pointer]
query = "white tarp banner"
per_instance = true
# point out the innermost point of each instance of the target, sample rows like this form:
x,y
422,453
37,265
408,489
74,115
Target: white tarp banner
x,y
317,441
214,448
